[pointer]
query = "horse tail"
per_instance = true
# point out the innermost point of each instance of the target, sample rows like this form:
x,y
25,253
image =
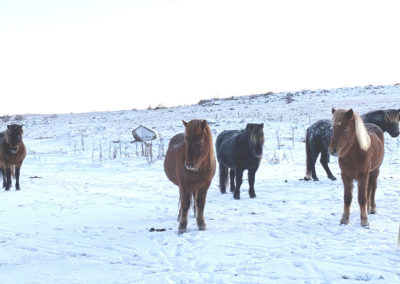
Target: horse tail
x,y
308,158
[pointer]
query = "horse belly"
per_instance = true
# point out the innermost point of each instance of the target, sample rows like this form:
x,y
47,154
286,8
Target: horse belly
x,y
173,163
170,168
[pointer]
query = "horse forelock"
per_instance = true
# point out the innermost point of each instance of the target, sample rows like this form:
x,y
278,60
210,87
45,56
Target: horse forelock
x,y
362,136
255,132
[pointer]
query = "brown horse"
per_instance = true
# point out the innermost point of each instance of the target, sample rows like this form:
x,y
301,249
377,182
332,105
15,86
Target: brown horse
x,y
190,164
360,148
12,153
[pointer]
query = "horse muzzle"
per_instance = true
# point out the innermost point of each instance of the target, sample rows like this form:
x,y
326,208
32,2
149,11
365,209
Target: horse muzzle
x,y
191,167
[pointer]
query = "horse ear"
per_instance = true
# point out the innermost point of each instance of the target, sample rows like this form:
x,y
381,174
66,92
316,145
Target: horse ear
x,y
8,126
184,123
349,114
203,124
262,125
333,110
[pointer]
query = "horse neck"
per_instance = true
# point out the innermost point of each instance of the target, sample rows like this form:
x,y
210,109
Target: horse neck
x,y
354,149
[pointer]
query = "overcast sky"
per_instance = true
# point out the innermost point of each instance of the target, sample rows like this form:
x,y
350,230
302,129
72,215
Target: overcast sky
x,y
80,56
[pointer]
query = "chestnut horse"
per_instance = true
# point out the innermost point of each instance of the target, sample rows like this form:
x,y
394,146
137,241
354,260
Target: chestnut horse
x,y
360,148
190,164
12,153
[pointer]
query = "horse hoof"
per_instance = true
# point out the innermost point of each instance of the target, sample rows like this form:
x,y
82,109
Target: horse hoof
x,y
364,223
181,231
372,211
202,227
315,179
252,195
223,191
344,221
306,178
236,197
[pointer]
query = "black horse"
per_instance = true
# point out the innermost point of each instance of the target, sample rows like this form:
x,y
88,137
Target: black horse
x,y
319,135
12,154
239,150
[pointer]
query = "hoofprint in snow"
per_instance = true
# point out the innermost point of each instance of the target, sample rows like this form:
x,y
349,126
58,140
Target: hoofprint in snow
x,y
89,200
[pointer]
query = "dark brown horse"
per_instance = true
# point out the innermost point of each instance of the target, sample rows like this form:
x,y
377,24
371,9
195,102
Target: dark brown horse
x,y
12,153
360,148
190,164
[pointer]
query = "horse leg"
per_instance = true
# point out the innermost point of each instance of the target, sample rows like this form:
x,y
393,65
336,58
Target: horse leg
x,y
201,203
3,173
17,172
372,184
239,179
8,177
362,199
348,196
324,162
232,179
183,211
314,157
222,178
311,158
252,177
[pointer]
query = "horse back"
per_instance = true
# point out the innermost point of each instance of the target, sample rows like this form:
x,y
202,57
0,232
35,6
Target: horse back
x,y
319,134
174,157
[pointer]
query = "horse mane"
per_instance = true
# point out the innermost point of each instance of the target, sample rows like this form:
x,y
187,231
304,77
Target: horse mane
x,y
362,135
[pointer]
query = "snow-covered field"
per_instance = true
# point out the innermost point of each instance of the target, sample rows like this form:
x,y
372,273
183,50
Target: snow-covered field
x,y
89,200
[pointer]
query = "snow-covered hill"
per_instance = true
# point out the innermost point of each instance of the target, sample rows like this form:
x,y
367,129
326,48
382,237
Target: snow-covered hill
x,y
92,209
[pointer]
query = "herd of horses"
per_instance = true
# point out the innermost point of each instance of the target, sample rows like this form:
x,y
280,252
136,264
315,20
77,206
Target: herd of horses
x,y
190,162
356,140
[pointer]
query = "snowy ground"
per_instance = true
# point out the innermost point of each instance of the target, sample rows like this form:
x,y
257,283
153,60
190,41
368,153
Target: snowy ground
x,y
89,200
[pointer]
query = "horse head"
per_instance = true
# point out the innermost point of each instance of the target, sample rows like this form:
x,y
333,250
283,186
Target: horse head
x,y
256,138
197,143
348,128
13,137
392,122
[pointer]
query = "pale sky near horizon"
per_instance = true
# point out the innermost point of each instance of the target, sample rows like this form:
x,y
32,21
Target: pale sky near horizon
x,y
81,56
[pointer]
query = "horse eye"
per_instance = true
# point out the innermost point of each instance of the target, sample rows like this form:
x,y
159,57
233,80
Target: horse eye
x,y
345,128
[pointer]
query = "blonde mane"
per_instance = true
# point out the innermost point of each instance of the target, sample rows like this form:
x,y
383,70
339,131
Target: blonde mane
x,y
362,135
